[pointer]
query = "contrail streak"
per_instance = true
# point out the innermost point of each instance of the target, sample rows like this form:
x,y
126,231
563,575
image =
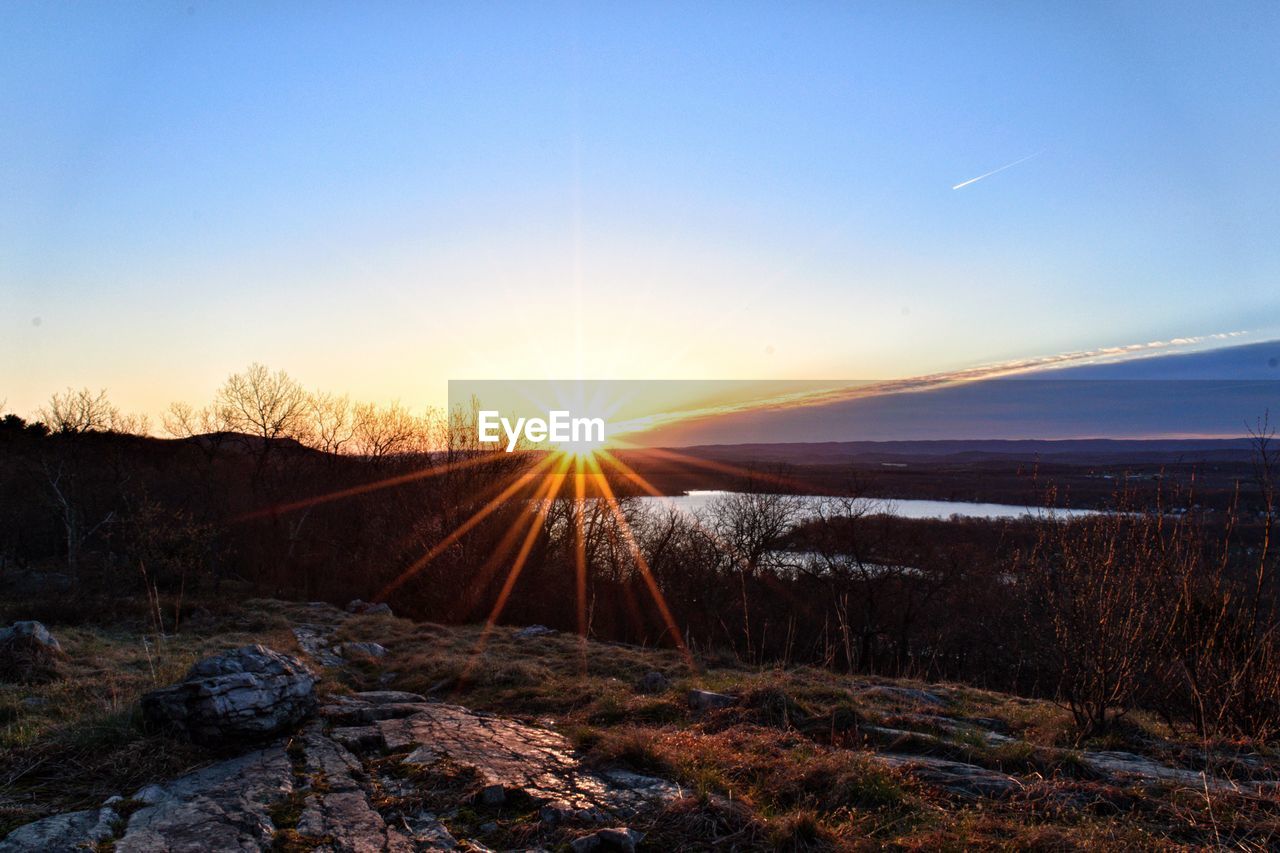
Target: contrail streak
x,y
993,171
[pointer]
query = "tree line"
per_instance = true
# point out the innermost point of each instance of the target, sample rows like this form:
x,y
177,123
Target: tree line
x,y
271,489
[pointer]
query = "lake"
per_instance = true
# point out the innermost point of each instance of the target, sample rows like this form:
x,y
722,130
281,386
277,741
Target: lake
x,y
694,501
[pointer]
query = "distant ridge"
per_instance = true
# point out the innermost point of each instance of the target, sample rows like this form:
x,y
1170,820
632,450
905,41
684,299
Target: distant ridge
x,y
1076,451
243,442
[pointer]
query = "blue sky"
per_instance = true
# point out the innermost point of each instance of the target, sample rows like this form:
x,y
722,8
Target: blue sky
x,y
380,197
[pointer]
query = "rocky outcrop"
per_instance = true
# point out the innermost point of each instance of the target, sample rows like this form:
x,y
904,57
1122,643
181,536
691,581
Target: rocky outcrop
x,y
226,806
251,693
337,787
29,653
506,758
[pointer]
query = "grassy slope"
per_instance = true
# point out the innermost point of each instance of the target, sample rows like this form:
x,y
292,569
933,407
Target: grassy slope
x,y
790,766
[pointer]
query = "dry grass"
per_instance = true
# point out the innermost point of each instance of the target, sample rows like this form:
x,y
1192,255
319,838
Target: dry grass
x,y
72,742
789,767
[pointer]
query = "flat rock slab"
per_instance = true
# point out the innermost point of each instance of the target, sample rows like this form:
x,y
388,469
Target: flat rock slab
x,y
329,760
509,758
363,708
317,776
348,823
705,700
430,834
225,806
387,697
314,642
956,777
74,831
1117,766
907,696
338,813
1122,765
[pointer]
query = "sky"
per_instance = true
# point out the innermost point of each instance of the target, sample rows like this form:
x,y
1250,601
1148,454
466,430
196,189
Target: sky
x,y
382,197
1175,390
1229,392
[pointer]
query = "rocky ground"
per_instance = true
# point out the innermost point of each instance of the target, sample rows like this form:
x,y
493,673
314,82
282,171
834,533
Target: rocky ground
x,y
418,737
367,776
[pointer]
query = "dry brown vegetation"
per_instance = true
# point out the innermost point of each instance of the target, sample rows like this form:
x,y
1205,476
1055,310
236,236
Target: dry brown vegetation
x,y
74,741
794,765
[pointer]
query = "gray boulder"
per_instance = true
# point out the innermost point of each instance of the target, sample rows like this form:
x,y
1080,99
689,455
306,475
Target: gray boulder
x,y
705,700
653,682
250,693
615,838
351,651
28,653
368,608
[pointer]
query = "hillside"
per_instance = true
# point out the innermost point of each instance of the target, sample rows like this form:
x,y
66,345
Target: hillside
x,y
532,739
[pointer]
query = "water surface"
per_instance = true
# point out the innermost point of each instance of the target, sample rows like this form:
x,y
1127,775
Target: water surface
x,y
694,501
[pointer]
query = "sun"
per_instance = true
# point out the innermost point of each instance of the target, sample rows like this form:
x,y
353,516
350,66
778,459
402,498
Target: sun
x,y
577,452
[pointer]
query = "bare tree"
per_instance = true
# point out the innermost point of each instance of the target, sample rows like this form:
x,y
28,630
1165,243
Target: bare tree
x,y
333,421
263,404
75,527
182,420
748,527
751,524
84,411
383,431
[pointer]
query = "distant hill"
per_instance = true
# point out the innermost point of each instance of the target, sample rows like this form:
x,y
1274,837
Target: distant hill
x,y
244,442
1072,451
